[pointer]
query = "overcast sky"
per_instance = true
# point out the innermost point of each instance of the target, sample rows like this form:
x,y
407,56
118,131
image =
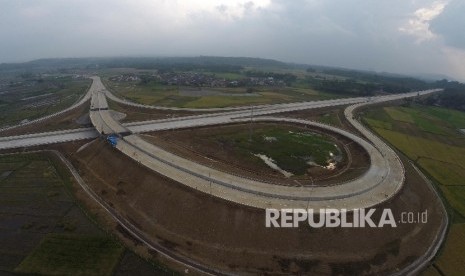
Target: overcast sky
x,y
399,36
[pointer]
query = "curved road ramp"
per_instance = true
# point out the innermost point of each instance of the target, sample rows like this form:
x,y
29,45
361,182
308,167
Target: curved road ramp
x,y
383,179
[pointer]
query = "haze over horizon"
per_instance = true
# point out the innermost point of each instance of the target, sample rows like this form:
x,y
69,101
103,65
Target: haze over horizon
x,y
398,36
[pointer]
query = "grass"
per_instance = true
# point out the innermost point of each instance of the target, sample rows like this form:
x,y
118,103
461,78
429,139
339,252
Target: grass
x,y
68,254
416,147
455,195
331,119
290,150
429,136
433,120
449,174
379,124
165,95
451,262
443,162
228,101
453,117
399,114
62,93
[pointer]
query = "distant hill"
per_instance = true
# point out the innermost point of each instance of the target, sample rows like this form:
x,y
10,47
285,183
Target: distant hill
x,y
186,63
210,64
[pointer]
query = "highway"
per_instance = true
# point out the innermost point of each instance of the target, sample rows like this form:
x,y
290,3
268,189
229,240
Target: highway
x,y
370,189
180,122
383,179
46,138
100,115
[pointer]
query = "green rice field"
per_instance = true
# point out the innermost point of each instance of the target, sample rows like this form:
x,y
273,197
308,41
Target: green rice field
x,y
430,137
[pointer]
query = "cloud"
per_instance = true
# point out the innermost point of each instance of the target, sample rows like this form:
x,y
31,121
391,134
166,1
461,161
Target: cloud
x,y
450,24
419,25
456,61
386,35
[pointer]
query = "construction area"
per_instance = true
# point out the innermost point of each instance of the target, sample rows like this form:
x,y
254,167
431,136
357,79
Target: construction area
x,y
189,188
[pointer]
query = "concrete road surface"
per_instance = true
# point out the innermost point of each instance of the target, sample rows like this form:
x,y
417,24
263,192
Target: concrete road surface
x,y
383,179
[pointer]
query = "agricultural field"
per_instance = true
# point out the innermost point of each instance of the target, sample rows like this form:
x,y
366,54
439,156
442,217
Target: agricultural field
x,y
430,137
204,86
31,98
451,262
173,96
65,254
44,231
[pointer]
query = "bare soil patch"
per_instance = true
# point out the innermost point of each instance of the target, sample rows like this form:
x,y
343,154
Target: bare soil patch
x,y
234,238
